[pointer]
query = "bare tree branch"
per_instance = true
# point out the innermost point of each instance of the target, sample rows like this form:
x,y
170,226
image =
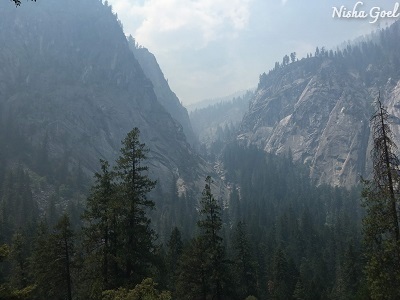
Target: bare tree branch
x,y
18,2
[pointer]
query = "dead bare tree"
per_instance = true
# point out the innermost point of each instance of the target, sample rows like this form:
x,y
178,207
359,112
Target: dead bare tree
x,y
381,201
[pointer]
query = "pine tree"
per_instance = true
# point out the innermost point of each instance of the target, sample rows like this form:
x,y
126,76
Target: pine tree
x,y
244,263
17,207
280,288
284,275
146,290
19,262
381,201
118,238
133,185
203,273
210,224
52,261
193,280
64,239
175,249
101,229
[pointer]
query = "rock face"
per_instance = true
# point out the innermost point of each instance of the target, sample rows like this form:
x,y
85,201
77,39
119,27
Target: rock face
x,y
319,108
68,76
211,123
164,94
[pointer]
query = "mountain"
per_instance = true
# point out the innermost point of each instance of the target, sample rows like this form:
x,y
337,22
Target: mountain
x,y
164,94
211,123
71,89
209,102
319,107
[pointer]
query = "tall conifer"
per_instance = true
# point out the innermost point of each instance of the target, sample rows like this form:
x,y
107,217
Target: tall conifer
x,y
133,186
381,201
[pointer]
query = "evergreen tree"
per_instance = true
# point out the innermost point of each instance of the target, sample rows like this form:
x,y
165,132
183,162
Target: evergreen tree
x,y
17,208
381,201
316,52
193,280
175,249
210,224
64,238
52,214
293,57
285,60
52,261
18,286
348,279
280,288
118,238
203,273
101,230
146,290
137,237
19,261
244,263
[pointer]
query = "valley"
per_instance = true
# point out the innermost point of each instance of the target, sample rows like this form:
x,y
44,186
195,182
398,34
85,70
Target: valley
x,y
111,189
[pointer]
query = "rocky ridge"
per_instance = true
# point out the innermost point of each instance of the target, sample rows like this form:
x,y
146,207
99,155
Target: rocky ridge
x,y
69,78
165,95
319,108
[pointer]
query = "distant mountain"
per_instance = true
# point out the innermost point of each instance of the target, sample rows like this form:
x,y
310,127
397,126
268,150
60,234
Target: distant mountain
x,y
162,90
214,121
319,107
208,102
72,88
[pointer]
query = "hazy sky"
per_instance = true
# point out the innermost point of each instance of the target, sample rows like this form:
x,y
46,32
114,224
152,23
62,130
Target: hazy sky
x,y
212,48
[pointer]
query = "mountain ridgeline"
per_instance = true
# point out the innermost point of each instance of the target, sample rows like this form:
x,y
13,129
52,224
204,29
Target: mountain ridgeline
x,y
162,90
319,107
72,88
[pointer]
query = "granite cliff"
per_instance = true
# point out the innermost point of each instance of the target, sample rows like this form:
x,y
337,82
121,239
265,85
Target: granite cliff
x,y
319,107
70,80
165,95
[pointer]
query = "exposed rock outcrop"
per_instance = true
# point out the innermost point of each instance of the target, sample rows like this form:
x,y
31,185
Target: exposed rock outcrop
x,y
69,77
319,108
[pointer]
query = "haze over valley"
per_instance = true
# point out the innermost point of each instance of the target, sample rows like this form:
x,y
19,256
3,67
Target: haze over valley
x,y
199,150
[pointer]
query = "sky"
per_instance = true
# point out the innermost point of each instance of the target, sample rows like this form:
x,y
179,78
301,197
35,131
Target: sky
x,y
212,48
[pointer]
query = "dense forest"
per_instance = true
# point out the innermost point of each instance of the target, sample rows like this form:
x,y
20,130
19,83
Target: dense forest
x,y
278,236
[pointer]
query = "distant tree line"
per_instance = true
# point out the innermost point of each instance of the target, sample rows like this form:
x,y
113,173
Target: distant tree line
x,y
375,57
